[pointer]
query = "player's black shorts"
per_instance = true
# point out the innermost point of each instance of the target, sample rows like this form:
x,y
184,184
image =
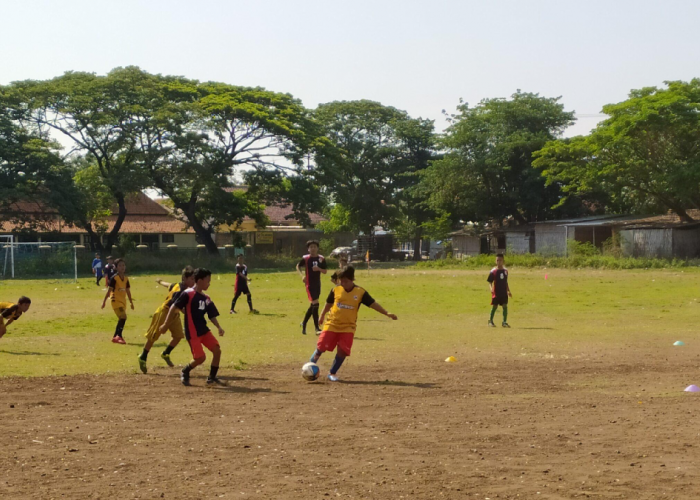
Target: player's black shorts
x,y
314,291
499,301
242,288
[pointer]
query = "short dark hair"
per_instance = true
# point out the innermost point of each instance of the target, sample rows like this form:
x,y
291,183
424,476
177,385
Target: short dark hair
x,y
348,272
187,272
119,261
500,255
201,273
312,242
109,257
24,300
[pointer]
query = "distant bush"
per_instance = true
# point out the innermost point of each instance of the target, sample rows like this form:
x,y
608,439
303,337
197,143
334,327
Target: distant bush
x,y
596,261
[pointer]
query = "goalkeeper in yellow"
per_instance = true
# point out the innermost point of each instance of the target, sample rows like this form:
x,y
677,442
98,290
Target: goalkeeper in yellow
x,y
174,325
10,312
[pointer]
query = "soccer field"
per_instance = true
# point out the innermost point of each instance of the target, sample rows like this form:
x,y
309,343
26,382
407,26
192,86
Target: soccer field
x,y
582,397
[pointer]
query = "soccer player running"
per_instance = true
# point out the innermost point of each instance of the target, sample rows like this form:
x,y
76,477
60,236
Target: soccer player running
x,y
314,265
110,270
11,312
196,305
339,326
241,286
500,291
119,289
175,326
97,268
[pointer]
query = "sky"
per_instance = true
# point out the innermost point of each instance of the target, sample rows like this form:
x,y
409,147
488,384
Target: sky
x,y
419,56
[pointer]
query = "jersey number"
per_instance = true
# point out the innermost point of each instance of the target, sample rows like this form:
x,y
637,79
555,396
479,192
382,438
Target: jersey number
x,y
202,305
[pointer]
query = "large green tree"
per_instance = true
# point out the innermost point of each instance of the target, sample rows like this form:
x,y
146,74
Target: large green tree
x,y
486,173
644,157
371,160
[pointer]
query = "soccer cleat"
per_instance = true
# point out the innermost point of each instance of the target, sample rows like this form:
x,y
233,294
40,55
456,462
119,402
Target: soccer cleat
x,y
332,377
505,325
215,380
318,332
492,324
232,312
142,365
254,311
303,328
185,378
115,340
118,340
166,358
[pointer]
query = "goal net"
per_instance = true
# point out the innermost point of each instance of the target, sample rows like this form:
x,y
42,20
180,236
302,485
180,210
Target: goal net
x,y
44,260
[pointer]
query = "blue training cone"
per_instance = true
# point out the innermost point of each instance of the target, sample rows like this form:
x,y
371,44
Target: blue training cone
x,y
678,342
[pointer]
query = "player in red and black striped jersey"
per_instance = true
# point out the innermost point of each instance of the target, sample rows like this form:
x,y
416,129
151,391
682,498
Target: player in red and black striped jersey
x,y
197,306
241,286
314,265
500,291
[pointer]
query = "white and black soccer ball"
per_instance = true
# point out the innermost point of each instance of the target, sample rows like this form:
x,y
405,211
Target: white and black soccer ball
x,y
310,371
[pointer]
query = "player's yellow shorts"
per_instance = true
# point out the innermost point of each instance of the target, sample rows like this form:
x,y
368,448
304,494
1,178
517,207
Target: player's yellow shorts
x,y
175,326
119,310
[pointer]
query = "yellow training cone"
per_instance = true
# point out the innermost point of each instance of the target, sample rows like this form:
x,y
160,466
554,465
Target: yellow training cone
x,y
451,359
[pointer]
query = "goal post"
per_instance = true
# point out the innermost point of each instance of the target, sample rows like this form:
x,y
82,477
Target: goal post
x,y
39,260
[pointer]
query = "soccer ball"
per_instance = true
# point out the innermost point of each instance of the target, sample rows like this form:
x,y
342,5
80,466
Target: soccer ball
x,y
310,371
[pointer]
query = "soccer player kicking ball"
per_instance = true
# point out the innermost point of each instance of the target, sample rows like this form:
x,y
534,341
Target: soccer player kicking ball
x,y
119,289
314,265
11,312
500,291
196,304
241,286
175,326
339,327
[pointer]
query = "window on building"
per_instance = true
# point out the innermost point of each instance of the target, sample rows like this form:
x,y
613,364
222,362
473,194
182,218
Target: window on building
x,y
167,238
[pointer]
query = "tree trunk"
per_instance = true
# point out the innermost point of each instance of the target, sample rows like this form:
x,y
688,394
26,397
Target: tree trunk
x,y
114,233
683,215
199,229
416,243
519,217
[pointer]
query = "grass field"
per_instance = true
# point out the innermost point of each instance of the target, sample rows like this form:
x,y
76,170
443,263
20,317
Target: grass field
x,y
582,398
441,313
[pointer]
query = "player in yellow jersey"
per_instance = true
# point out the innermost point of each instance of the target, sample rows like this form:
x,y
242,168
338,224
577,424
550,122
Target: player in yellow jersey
x,y
339,319
10,312
119,290
175,326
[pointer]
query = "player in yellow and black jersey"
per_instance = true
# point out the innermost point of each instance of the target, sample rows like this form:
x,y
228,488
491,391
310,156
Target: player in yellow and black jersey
x,y
10,312
174,325
119,289
339,318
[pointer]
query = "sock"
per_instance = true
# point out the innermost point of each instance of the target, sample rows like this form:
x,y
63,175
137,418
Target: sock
x,y
144,354
169,349
493,312
314,312
505,314
307,315
250,302
233,302
213,371
120,328
337,363
186,370
315,356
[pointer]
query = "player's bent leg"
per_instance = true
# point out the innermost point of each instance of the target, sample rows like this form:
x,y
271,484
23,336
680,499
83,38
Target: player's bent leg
x,y
3,329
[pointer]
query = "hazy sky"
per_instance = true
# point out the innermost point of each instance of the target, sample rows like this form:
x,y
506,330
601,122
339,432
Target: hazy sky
x,y
421,56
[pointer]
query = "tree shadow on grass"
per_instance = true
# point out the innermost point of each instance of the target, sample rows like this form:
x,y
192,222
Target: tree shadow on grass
x,y
394,383
29,353
273,315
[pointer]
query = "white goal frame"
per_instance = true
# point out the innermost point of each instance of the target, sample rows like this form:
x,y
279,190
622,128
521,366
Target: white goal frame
x,y
10,241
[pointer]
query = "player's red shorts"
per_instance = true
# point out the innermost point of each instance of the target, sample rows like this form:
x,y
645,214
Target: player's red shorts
x,y
328,341
207,340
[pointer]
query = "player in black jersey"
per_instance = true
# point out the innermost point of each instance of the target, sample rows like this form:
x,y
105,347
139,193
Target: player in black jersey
x,y
241,286
197,306
314,265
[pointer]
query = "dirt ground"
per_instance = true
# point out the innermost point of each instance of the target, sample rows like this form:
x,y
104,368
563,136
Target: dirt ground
x,y
600,425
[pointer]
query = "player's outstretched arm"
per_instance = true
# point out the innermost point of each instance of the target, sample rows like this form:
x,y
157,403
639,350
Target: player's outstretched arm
x,y
163,283
326,308
217,325
171,312
383,311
